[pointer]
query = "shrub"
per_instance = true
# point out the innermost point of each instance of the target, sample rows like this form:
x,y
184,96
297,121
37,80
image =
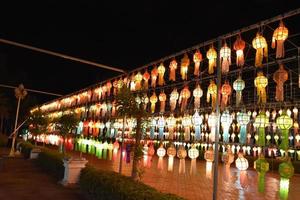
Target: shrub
x,y
26,148
105,185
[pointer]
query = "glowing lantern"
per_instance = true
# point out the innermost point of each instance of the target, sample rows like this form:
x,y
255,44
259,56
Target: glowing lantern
x,y
161,125
295,112
145,101
226,91
185,62
197,60
243,119
228,157
225,56
193,154
261,166
197,93
261,83
161,152
161,72
280,35
145,155
152,128
153,100
212,59
154,74
151,152
181,154
239,46
212,122
242,165
115,87
212,91
226,120
99,149
120,83
108,86
162,98
185,94
284,122
197,121
286,171
171,152
132,83
186,123
280,76
209,157
110,148
173,67
238,86
260,44
171,122
261,122
146,77
173,99
138,81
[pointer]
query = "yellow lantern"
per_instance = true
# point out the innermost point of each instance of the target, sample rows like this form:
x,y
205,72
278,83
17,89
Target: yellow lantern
x,y
212,59
161,72
239,46
280,35
197,60
154,74
153,100
173,67
225,55
197,93
173,99
186,123
185,62
138,81
212,91
162,98
261,122
146,77
185,94
261,83
260,44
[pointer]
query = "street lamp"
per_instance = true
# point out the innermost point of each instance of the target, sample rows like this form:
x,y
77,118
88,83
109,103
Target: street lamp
x,y
20,93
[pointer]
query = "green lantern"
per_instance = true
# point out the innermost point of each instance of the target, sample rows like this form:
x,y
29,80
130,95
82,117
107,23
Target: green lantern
x,y
261,122
284,122
261,166
286,171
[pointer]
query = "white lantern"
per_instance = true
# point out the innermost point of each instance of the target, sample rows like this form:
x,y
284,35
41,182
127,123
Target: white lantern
x,y
241,163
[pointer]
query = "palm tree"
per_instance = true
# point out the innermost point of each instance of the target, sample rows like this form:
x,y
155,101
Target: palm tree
x,y
37,123
127,106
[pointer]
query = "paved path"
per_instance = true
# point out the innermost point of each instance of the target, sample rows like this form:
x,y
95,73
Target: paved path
x,y
20,179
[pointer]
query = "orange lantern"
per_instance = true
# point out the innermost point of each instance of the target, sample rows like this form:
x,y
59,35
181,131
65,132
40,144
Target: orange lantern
x,y
154,74
185,62
138,81
197,60
115,86
161,71
181,154
226,91
146,77
212,91
280,76
132,83
212,59
162,98
280,35
260,44
225,56
185,94
173,99
239,46
261,83
153,100
197,93
108,86
173,67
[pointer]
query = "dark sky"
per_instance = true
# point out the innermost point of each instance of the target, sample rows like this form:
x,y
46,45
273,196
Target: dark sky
x,y
121,34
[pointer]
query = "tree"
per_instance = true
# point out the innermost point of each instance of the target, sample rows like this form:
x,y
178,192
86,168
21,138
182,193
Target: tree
x,y
37,123
129,105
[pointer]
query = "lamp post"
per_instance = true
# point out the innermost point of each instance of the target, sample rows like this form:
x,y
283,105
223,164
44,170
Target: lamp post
x,y
20,93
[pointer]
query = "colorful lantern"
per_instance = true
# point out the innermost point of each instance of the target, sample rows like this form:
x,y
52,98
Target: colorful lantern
x,y
181,154
209,157
242,165
152,128
212,122
186,123
193,154
261,122
138,81
110,148
261,83
280,35
153,100
197,60
197,93
171,122
239,46
161,72
197,121
243,119
115,87
173,67
212,91
173,99
284,123
261,166
226,120
145,101
154,74
161,152
108,86
212,59
162,98
286,171
226,91
238,86
225,56
260,44
280,76
171,152
185,62
161,125
185,94
146,77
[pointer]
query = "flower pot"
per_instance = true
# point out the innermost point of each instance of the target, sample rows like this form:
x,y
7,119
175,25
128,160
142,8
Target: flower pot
x,y
73,168
34,153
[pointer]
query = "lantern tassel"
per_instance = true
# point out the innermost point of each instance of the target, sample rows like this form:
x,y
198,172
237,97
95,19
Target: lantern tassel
x,y
240,61
280,49
152,107
193,169
170,163
243,133
259,57
187,133
161,79
171,132
197,103
284,188
181,166
284,139
172,75
161,132
197,69
261,136
261,182
208,169
198,133
226,134
238,97
160,163
243,178
115,154
211,65
225,65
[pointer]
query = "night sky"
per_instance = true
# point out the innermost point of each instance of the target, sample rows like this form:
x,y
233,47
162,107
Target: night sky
x,y
120,34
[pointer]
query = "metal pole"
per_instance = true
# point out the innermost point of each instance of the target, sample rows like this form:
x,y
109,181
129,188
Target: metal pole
x,y
216,151
12,150
121,149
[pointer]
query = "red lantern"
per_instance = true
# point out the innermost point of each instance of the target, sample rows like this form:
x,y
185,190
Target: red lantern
x,y
146,77
239,46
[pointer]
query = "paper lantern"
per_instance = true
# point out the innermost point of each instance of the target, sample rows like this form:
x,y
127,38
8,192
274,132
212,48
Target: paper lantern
x,y
171,122
280,35
225,56
239,46
295,113
162,98
209,157
161,125
161,152
152,128
185,62
280,76
261,122
154,74
173,99
286,171
197,60
243,119
153,100
145,155
185,94
260,44
161,72
146,77
110,148
181,154
197,93
115,87
132,83
138,81
197,121
226,91
261,83
186,123
212,122
284,123
212,59
171,152
193,154
261,166
241,163
238,86
173,67
212,91
228,157
226,120
108,86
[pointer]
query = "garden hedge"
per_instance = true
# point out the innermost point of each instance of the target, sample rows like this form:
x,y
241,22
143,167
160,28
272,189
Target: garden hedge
x,y
26,148
105,185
